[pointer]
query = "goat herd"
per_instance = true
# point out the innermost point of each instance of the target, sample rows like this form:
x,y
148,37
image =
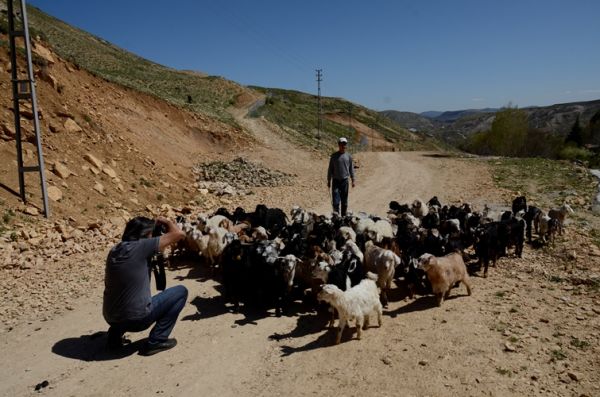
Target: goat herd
x,y
264,258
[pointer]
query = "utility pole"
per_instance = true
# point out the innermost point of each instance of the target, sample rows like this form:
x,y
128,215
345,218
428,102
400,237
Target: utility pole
x,y
23,88
319,108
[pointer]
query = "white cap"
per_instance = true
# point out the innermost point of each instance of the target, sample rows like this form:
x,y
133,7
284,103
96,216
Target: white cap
x,y
342,140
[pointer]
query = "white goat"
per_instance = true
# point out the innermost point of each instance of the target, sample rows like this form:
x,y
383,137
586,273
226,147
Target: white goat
x,y
356,303
383,263
561,214
217,240
299,215
347,233
351,246
378,230
419,208
360,225
260,234
289,263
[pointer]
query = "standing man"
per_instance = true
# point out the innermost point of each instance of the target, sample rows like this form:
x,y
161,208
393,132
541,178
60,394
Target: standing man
x,y
128,305
340,169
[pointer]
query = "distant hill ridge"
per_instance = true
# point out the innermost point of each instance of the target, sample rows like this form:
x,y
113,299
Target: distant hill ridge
x,y
455,126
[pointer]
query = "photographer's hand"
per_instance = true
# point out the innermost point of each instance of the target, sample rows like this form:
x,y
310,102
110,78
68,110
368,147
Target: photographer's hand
x,y
173,235
167,222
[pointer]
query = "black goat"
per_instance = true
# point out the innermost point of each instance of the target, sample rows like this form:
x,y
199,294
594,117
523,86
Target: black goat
x,y
519,204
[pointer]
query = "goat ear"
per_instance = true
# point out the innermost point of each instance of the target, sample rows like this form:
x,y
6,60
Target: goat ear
x,y
352,267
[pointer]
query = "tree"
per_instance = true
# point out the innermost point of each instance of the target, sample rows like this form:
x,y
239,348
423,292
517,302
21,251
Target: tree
x,y
509,132
576,134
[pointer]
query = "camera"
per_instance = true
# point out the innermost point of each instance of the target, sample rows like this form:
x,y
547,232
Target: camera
x,y
158,264
159,229
158,261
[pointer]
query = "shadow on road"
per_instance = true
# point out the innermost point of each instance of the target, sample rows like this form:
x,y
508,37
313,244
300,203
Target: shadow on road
x,y
420,304
93,348
311,324
217,305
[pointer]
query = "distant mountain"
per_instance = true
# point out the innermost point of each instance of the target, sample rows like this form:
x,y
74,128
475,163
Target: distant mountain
x,y
455,126
454,115
411,121
431,114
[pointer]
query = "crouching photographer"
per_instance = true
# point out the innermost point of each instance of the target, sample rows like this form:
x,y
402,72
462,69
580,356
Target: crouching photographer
x,y
128,305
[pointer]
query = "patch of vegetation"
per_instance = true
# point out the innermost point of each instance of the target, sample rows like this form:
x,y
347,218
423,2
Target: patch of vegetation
x,y
500,294
145,182
513,339
594,284
512,135
595,235
14,236
500,327
535,177
8,215
513,310
575,153
504,371
555,279
159,197
579,344
558,355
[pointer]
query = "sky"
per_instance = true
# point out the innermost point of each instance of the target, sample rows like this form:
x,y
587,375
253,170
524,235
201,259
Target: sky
x,y
400,55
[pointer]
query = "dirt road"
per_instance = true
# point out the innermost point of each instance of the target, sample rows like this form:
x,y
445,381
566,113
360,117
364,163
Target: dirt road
x,y
420,349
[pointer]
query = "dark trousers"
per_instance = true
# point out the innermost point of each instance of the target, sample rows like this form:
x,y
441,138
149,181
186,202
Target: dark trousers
x,y
166,307
339,194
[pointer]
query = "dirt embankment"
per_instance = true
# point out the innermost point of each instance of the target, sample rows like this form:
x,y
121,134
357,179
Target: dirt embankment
x,y
142,147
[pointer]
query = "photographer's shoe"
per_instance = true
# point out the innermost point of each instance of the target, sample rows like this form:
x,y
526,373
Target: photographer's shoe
x,y
153,348
117,343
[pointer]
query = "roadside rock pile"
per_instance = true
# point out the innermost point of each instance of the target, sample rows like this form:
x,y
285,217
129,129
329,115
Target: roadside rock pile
x,y
236,177
46,267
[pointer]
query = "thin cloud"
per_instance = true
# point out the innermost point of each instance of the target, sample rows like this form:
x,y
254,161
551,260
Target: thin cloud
x,y
477,99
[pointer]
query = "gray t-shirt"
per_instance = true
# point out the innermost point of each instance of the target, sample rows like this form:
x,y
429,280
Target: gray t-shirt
x,y
340,166
127,294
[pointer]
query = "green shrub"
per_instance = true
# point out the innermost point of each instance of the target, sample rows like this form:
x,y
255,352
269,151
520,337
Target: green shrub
x,y
575,153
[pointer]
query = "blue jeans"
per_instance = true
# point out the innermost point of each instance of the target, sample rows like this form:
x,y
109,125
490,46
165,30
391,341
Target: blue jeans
x,y
339,193
166,307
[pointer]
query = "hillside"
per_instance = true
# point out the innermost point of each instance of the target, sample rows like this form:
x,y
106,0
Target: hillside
x,y
297,113
454,115
412,120
209,95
